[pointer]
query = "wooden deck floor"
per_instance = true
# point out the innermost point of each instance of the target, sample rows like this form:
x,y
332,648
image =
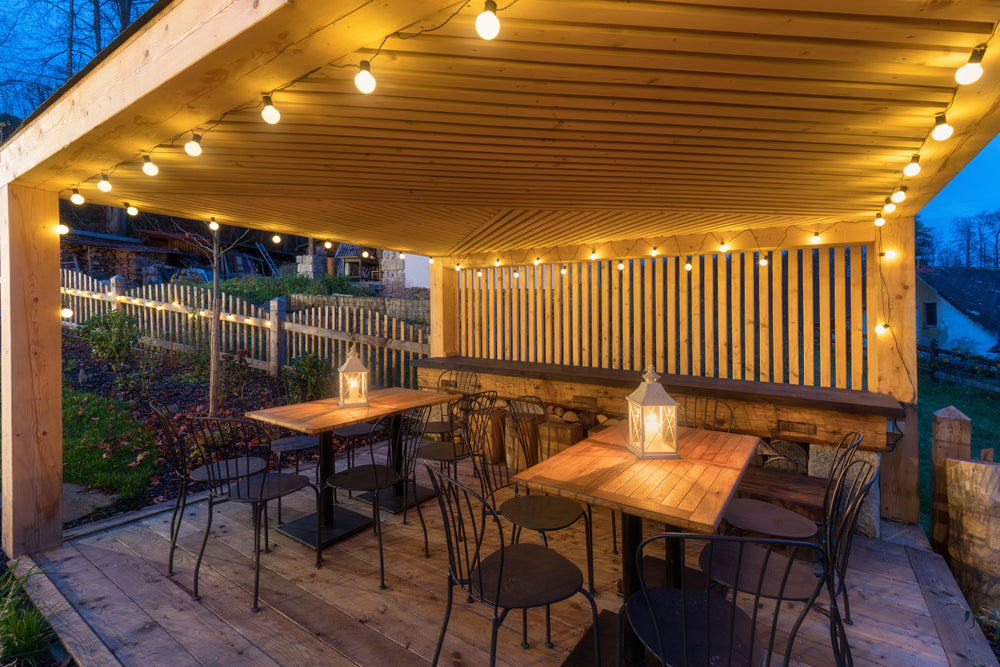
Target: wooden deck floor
x,y
115,580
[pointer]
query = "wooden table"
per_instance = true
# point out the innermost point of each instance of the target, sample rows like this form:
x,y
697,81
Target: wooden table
x,y
321,418
689,493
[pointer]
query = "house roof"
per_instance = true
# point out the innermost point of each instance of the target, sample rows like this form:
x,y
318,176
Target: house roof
x,y
587,124
975,292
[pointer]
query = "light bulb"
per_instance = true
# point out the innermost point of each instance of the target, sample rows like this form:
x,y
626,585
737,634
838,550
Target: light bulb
x,y
723,247
653,252
131,210
879,220
328,245
62,229
593,255
880,328
270,115
972,70
888,206
402,255
276,238
517,274
76,197
487,23
364,79
213,225
66,312
538,260
104,185
193,147
621,265
815,238
562,270
899,195
148,167
479,273
458,267
364,253
496,262
890,254
913,168
762,261
430,260
687,265
942,130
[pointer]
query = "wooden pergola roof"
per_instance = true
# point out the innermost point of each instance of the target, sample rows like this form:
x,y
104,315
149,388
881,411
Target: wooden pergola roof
x,y
586,123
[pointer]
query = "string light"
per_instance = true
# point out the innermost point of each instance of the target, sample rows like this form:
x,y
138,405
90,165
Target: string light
x,y
496,262
899,195
687,265
364,80
76,197
593,255
62,229
723,247
213,225
621,265
879,220
972,70
763,260
104,185
276,238
888,254
131,210
517,274
487,23
430,260
270,115
458,267
562,269
942,130
815,238
193,147
881,328
913,168
402,255
479,273
148,167
328,245
538,260
653,252
66,312
888,206
364,253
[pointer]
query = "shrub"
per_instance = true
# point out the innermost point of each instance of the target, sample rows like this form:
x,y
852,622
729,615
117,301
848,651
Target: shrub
x,y
24,632
112,337
261,289
310,378
237,374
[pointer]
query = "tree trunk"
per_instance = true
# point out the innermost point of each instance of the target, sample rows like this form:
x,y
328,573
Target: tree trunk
x,y
97,26
214,333
71,11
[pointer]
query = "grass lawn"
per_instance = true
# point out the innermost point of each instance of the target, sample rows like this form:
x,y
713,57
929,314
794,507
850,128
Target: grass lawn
x,y
982,407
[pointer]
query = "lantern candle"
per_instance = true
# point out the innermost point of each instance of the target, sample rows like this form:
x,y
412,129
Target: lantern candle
x,y
353,381
652,416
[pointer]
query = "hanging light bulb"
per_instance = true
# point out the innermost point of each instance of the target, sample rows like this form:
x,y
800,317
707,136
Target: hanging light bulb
x,y
270,115
62,229
972,70
276,238
328,245
763,260
402,255
76,197
131,210
104,185
899,195
562,270
881,328
213,225
148,167
458,267
496,262
193,147
479,273
593,255
487,23
913,168
364,79
538,260
815,238
879,220
723,247
653,252
66,312
888,206
687,265
621,265
942,130
517,274
364,253
889,254
430,260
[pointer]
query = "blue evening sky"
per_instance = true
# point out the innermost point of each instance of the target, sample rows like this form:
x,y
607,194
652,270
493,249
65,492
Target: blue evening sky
x,y
973,190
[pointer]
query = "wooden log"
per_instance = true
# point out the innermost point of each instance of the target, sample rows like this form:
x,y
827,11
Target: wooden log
x,y
974,523
952,435
276,337
986,455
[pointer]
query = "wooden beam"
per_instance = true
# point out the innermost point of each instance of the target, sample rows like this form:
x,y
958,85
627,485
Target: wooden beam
x,y
444,310
31,374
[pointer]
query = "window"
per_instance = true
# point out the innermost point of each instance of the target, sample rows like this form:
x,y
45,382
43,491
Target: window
x,y
930,315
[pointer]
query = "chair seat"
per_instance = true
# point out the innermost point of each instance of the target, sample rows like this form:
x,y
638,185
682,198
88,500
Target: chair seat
x,y
355,430
704,645
439,427
533,576
295,443
442,451
276,485
539,512
364,478
757,516
799,585
229,469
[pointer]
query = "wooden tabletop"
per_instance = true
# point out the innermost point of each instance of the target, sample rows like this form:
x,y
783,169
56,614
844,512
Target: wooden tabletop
x,y
690,492
325,414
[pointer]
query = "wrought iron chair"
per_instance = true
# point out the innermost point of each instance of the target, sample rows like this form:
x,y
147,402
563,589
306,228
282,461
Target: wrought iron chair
x,y
694,622
452,382
178,459
502,576
234,458
709,414
374,476
448,452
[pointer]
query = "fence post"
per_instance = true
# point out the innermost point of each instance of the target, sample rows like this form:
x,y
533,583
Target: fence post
x,y
117,284
951,439
276,337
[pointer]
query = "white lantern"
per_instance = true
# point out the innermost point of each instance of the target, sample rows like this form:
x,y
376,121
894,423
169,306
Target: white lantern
x,y
353,381
652,420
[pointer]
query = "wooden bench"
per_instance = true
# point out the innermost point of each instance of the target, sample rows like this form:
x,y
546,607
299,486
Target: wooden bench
x,y
800,493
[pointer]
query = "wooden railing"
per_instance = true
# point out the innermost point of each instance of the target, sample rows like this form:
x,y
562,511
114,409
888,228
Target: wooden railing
x,y
799,319
177,317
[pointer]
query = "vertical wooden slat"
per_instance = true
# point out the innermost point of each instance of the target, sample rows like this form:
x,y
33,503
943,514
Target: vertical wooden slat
x,y
531,328
857,287
808,296
709,348
777,316
684,319
825,338
695,309
750,332
626,321
659,317
583,299
551,311
609,271
764,318
794,330
671,335
490,327
597,278
523,322
569,324
649,316
635,332
615,321
722,308
875,316
840,317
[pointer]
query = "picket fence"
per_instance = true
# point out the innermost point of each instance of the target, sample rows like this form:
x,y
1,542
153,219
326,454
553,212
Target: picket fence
x,y
177,317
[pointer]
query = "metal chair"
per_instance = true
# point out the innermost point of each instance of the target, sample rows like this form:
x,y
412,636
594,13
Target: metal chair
x,y
502,576
448,452
234,458
373,476
452,382
709,414
692,621
177,459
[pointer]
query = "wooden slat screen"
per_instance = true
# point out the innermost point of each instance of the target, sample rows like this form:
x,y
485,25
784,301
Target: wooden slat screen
x,y
799,319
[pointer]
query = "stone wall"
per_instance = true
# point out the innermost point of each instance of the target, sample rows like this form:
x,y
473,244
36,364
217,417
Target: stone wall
x,y
311,266
417,311
393,271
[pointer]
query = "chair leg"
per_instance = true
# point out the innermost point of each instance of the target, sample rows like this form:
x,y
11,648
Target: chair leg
x,y
493,641
420,514
548,626
847,604
378,532
267,544
257,512
201,552
614,533
319,525
524,628
444,624
597,633
588,529
175,524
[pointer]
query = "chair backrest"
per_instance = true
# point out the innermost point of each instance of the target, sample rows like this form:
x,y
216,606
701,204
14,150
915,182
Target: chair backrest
x,y
177,454
473,531
469,404
841,515
697,622
528,415
458,382
702,412
232,453
842,457
409,429
491,467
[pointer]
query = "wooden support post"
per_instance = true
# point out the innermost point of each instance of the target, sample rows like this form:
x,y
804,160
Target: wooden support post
x,y
444,311
276,337
952,439
31,374
118,286
891,295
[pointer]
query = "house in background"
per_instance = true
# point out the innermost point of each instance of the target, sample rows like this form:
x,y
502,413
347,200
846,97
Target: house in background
x,y
959,308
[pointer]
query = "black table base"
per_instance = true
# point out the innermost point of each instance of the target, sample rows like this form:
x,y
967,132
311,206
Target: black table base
x,y
391,502
345,523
